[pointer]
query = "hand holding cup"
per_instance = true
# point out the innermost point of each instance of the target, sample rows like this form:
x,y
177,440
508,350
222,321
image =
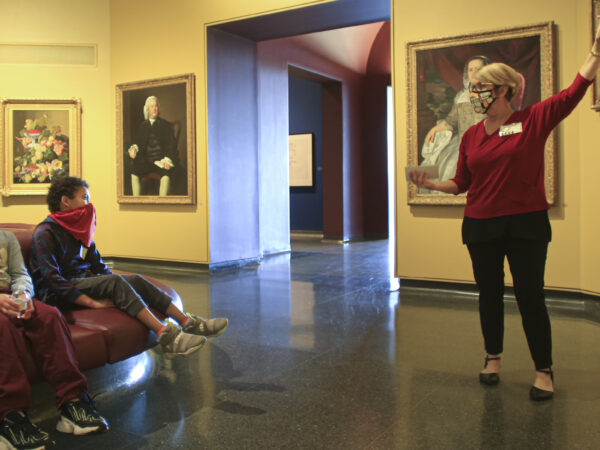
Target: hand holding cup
x,y
23,303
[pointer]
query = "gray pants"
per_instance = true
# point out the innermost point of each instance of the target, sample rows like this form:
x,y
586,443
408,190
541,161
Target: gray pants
x,y
130,293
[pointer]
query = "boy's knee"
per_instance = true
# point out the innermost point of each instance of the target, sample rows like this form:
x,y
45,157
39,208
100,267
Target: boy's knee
x,y
132,277
119,279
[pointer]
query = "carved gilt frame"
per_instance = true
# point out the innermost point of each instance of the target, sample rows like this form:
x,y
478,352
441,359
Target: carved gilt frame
x,y
41,140
176,96
421,66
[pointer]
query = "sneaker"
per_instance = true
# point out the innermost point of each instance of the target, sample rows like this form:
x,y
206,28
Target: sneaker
x,y
17,432
80,417
174,342
202,327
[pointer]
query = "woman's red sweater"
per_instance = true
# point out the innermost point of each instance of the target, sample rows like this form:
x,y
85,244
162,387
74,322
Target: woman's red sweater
x,y
505,175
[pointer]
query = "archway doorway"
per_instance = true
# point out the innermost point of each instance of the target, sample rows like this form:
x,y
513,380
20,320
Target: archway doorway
x,y
315,108
248,190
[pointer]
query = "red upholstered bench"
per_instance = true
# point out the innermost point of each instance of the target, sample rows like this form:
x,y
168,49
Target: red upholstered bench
x,y
100,336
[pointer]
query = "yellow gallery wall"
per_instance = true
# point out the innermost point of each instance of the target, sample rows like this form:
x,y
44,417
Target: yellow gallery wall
x,y
429,245
63,22
153,39
138,40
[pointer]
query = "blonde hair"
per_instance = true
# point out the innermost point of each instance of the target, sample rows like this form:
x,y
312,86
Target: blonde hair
x,y
501,75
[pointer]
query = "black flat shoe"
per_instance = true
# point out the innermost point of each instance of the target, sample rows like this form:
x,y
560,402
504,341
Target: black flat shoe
x,y
540,395
489,379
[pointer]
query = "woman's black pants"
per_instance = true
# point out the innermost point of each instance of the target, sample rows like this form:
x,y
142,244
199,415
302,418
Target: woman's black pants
x,y
527,262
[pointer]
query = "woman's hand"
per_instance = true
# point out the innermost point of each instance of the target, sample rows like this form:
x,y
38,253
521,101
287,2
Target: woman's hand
x,y
592,62
8,307
29,311
421,179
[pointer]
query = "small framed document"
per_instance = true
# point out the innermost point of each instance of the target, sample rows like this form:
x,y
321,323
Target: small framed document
x,y
301,160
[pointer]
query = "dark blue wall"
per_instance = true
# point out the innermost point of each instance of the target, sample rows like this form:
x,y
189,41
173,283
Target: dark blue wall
x,y
306,208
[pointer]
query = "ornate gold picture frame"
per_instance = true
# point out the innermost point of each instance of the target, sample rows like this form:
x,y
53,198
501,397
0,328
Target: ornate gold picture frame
x,y
41,140
156,154
438,81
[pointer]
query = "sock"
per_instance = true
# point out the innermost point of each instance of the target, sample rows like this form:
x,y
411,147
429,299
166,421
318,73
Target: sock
x,y
164,327
185,320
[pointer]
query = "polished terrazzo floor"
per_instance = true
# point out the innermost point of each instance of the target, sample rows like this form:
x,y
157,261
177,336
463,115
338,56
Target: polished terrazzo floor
x,y
321,354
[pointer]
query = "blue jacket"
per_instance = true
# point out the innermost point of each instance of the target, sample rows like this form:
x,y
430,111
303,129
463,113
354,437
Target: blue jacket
x,y
56,257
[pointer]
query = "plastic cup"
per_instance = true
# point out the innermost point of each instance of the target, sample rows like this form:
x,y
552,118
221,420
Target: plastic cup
x,y
23,303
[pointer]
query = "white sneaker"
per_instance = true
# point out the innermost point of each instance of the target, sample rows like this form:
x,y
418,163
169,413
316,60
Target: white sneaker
x,y
204,327
174,342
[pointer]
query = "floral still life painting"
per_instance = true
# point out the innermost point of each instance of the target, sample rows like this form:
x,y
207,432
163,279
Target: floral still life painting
x,y
43,152
41,142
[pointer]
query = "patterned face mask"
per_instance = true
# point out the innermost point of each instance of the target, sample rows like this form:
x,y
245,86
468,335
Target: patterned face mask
x,y
482,100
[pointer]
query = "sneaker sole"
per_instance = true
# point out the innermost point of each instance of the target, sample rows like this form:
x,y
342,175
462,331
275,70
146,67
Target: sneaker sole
x,y
6,445
188,352
64,425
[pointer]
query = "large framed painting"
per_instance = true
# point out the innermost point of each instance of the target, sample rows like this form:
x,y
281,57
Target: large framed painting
x,y
41,141
156,141
439,111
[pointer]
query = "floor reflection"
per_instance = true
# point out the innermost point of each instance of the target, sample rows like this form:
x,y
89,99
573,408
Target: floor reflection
x,y
322,352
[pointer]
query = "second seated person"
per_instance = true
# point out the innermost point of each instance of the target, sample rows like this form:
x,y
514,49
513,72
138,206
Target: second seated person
x,y
68,272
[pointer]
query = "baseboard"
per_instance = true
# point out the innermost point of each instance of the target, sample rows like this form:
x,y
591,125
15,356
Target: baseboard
x,y
151,265
276,252
234,265
343,239
335,239
306,234
471,288
376,236
175,267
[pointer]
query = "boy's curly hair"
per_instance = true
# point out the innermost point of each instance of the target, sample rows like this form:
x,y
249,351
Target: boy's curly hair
x,y
63,186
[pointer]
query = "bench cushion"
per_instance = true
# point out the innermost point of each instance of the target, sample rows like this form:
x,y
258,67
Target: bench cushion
x,y
99,336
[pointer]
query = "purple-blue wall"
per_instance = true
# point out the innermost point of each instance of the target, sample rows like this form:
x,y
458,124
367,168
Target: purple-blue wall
x,y
232,148
305,106
248,189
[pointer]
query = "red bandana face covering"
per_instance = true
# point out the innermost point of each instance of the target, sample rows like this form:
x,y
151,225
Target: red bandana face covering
x,y
79,222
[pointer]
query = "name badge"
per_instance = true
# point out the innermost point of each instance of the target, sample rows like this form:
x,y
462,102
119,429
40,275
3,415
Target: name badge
x,y
510,129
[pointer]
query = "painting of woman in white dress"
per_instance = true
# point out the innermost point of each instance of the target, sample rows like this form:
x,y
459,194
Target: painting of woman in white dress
x,y
442,141
438,105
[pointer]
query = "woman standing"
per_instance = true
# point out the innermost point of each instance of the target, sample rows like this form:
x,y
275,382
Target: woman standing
x,y
501,164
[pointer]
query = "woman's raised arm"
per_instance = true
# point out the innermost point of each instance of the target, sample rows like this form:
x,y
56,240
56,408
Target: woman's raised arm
x,y
592,62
